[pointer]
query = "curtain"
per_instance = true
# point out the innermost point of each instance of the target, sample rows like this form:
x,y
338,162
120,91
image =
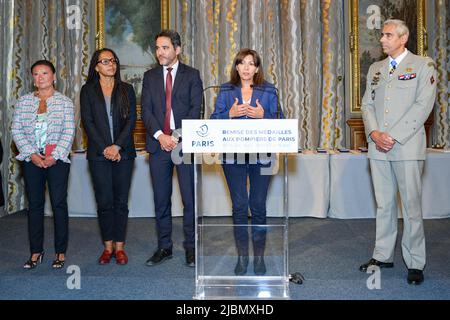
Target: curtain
x,y
439,50
6,16
301,45
56,30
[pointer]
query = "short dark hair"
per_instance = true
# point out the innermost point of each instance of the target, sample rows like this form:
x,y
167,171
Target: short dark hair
x,y
172,35
43,63
258,78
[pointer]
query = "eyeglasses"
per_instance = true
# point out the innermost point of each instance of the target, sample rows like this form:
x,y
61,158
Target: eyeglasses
x,y
105,62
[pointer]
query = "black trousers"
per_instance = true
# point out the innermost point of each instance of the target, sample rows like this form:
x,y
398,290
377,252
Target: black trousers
x,y
161,171
57,178
112,181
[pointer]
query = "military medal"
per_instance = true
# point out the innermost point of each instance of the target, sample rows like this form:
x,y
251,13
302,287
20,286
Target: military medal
x,y
376,78
407,76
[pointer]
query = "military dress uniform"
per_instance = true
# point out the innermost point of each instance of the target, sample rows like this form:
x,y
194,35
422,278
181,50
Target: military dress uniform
x,y
398,101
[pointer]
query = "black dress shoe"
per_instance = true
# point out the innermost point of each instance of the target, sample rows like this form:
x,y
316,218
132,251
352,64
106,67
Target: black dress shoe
x,y
259,266
159,256
190,258
373,262
415,276
241,266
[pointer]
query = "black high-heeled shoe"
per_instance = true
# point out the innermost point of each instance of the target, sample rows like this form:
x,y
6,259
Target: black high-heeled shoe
x,y
31,264
57,263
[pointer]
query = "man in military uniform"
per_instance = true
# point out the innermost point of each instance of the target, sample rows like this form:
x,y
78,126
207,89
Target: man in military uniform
x,y
400,95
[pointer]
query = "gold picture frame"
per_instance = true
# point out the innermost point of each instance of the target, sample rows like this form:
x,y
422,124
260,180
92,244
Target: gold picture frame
x,y
100,23
131,71
131,35
417,38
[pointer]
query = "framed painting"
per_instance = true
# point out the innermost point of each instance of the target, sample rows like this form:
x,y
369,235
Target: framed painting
x,y
129,28
367,17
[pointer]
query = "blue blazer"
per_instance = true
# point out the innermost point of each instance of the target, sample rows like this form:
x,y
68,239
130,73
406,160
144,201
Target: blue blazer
x,y
186,100
265,93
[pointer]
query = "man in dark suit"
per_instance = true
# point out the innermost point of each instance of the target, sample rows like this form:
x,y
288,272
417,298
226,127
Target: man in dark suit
x,y
171,92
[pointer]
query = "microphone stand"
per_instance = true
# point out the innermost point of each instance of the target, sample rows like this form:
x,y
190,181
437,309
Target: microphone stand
x,y
295,277
176,134
203,107
268,88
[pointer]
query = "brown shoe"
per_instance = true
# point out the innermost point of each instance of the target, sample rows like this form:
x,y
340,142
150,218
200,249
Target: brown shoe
x,y
121,257
106,256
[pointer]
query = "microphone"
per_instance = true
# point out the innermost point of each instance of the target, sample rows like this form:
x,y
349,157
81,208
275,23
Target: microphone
x,y
223,87
268,88
176,134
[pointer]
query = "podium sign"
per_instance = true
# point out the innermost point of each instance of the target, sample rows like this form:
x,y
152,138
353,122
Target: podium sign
x,y
216,276
238,136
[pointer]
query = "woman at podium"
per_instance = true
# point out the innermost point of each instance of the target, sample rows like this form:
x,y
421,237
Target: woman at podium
x,y
247,96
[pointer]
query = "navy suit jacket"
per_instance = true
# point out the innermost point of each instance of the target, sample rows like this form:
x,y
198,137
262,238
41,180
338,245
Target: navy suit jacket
x,y
265,93
186,100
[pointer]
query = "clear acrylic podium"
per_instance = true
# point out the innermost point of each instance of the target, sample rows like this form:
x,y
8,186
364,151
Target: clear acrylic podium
x,y
215,233
216,253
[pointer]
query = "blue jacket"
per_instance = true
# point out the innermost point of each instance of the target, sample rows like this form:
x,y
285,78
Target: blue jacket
x,y
266,93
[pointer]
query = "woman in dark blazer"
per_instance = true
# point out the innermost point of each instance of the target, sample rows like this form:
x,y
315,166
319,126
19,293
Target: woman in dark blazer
x,y
108,113
247,96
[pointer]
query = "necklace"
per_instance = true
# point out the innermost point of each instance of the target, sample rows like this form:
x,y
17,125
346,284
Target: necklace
x,y
42,97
